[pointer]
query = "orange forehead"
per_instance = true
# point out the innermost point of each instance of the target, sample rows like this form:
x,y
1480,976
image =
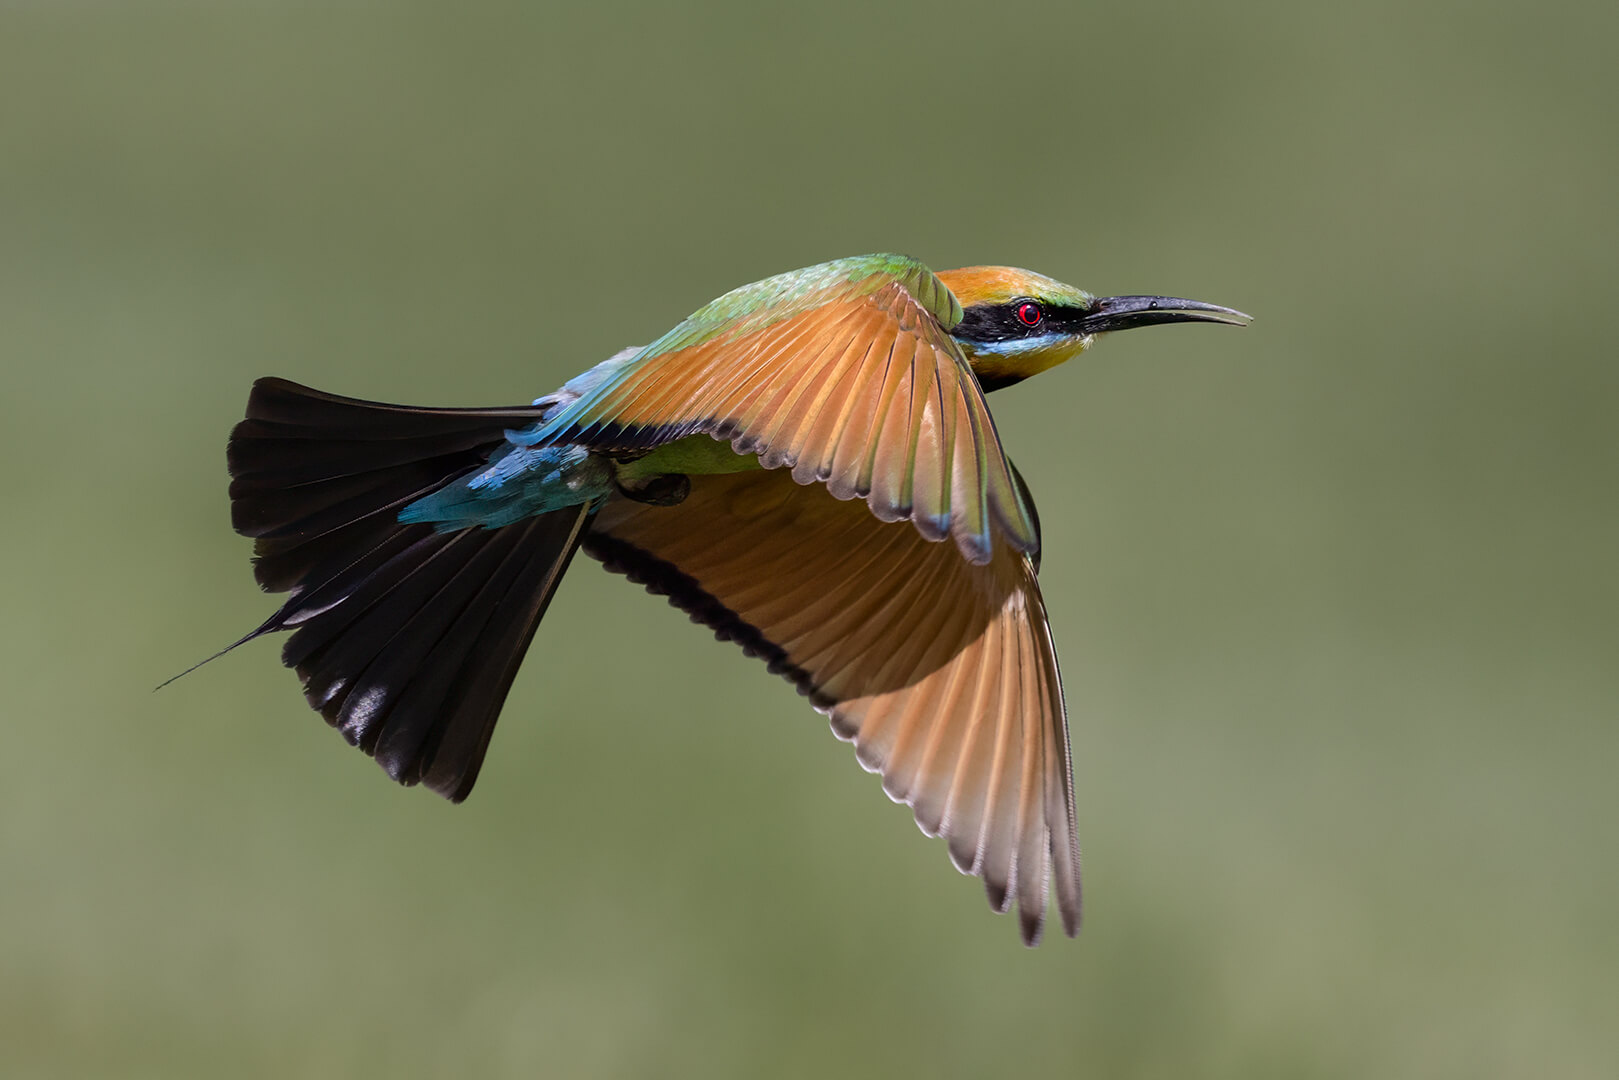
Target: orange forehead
x,y
998,284
986,284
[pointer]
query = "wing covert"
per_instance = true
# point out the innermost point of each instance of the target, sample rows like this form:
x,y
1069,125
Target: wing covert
x,y
844,373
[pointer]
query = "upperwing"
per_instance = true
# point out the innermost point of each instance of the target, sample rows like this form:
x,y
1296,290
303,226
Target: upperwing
x,y
844,372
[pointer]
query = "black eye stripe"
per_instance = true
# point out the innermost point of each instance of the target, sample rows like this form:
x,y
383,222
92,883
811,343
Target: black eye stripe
x,y
989,323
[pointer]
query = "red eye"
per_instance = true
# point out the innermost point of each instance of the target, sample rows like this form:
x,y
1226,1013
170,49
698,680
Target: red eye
x,y
1029,313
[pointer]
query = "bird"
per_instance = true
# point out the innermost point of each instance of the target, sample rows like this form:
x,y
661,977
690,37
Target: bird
x,y
806,465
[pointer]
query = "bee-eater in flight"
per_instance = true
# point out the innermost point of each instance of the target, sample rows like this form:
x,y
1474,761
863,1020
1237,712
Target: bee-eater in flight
x,y
806,465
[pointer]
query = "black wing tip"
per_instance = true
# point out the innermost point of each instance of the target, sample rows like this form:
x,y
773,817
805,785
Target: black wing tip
x,y
1033,917
1031,926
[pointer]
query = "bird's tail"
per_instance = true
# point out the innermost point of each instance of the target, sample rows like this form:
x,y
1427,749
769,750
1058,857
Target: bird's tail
x,y
407,639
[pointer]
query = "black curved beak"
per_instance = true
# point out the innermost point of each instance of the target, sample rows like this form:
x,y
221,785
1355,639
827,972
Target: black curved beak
x,y
1111,313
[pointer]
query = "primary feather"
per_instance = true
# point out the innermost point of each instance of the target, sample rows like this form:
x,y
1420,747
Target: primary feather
x,y
940,671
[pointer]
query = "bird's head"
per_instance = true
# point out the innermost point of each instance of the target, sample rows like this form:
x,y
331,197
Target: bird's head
x,y
1016,323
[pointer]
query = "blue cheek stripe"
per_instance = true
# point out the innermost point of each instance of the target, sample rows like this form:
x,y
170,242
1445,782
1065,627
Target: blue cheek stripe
x,y
1020,346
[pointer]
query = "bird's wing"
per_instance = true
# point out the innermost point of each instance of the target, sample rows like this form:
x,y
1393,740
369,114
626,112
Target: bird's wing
x,y
941,672
844,372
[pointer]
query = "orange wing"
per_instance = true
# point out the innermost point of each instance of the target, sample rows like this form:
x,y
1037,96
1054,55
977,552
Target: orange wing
x,y
844,372
942,673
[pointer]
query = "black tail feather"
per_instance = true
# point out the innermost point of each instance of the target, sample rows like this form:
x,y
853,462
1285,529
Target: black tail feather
x,y
415,664
406,640
482,650
319,415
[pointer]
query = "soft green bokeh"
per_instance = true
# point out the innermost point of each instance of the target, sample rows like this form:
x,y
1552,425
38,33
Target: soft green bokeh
x,y
1335,594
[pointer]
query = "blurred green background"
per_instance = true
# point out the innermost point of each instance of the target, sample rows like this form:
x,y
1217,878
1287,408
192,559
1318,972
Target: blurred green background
x,y
1335,594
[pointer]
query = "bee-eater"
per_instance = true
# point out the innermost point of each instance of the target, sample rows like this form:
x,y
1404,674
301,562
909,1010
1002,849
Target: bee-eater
x,y
786,465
